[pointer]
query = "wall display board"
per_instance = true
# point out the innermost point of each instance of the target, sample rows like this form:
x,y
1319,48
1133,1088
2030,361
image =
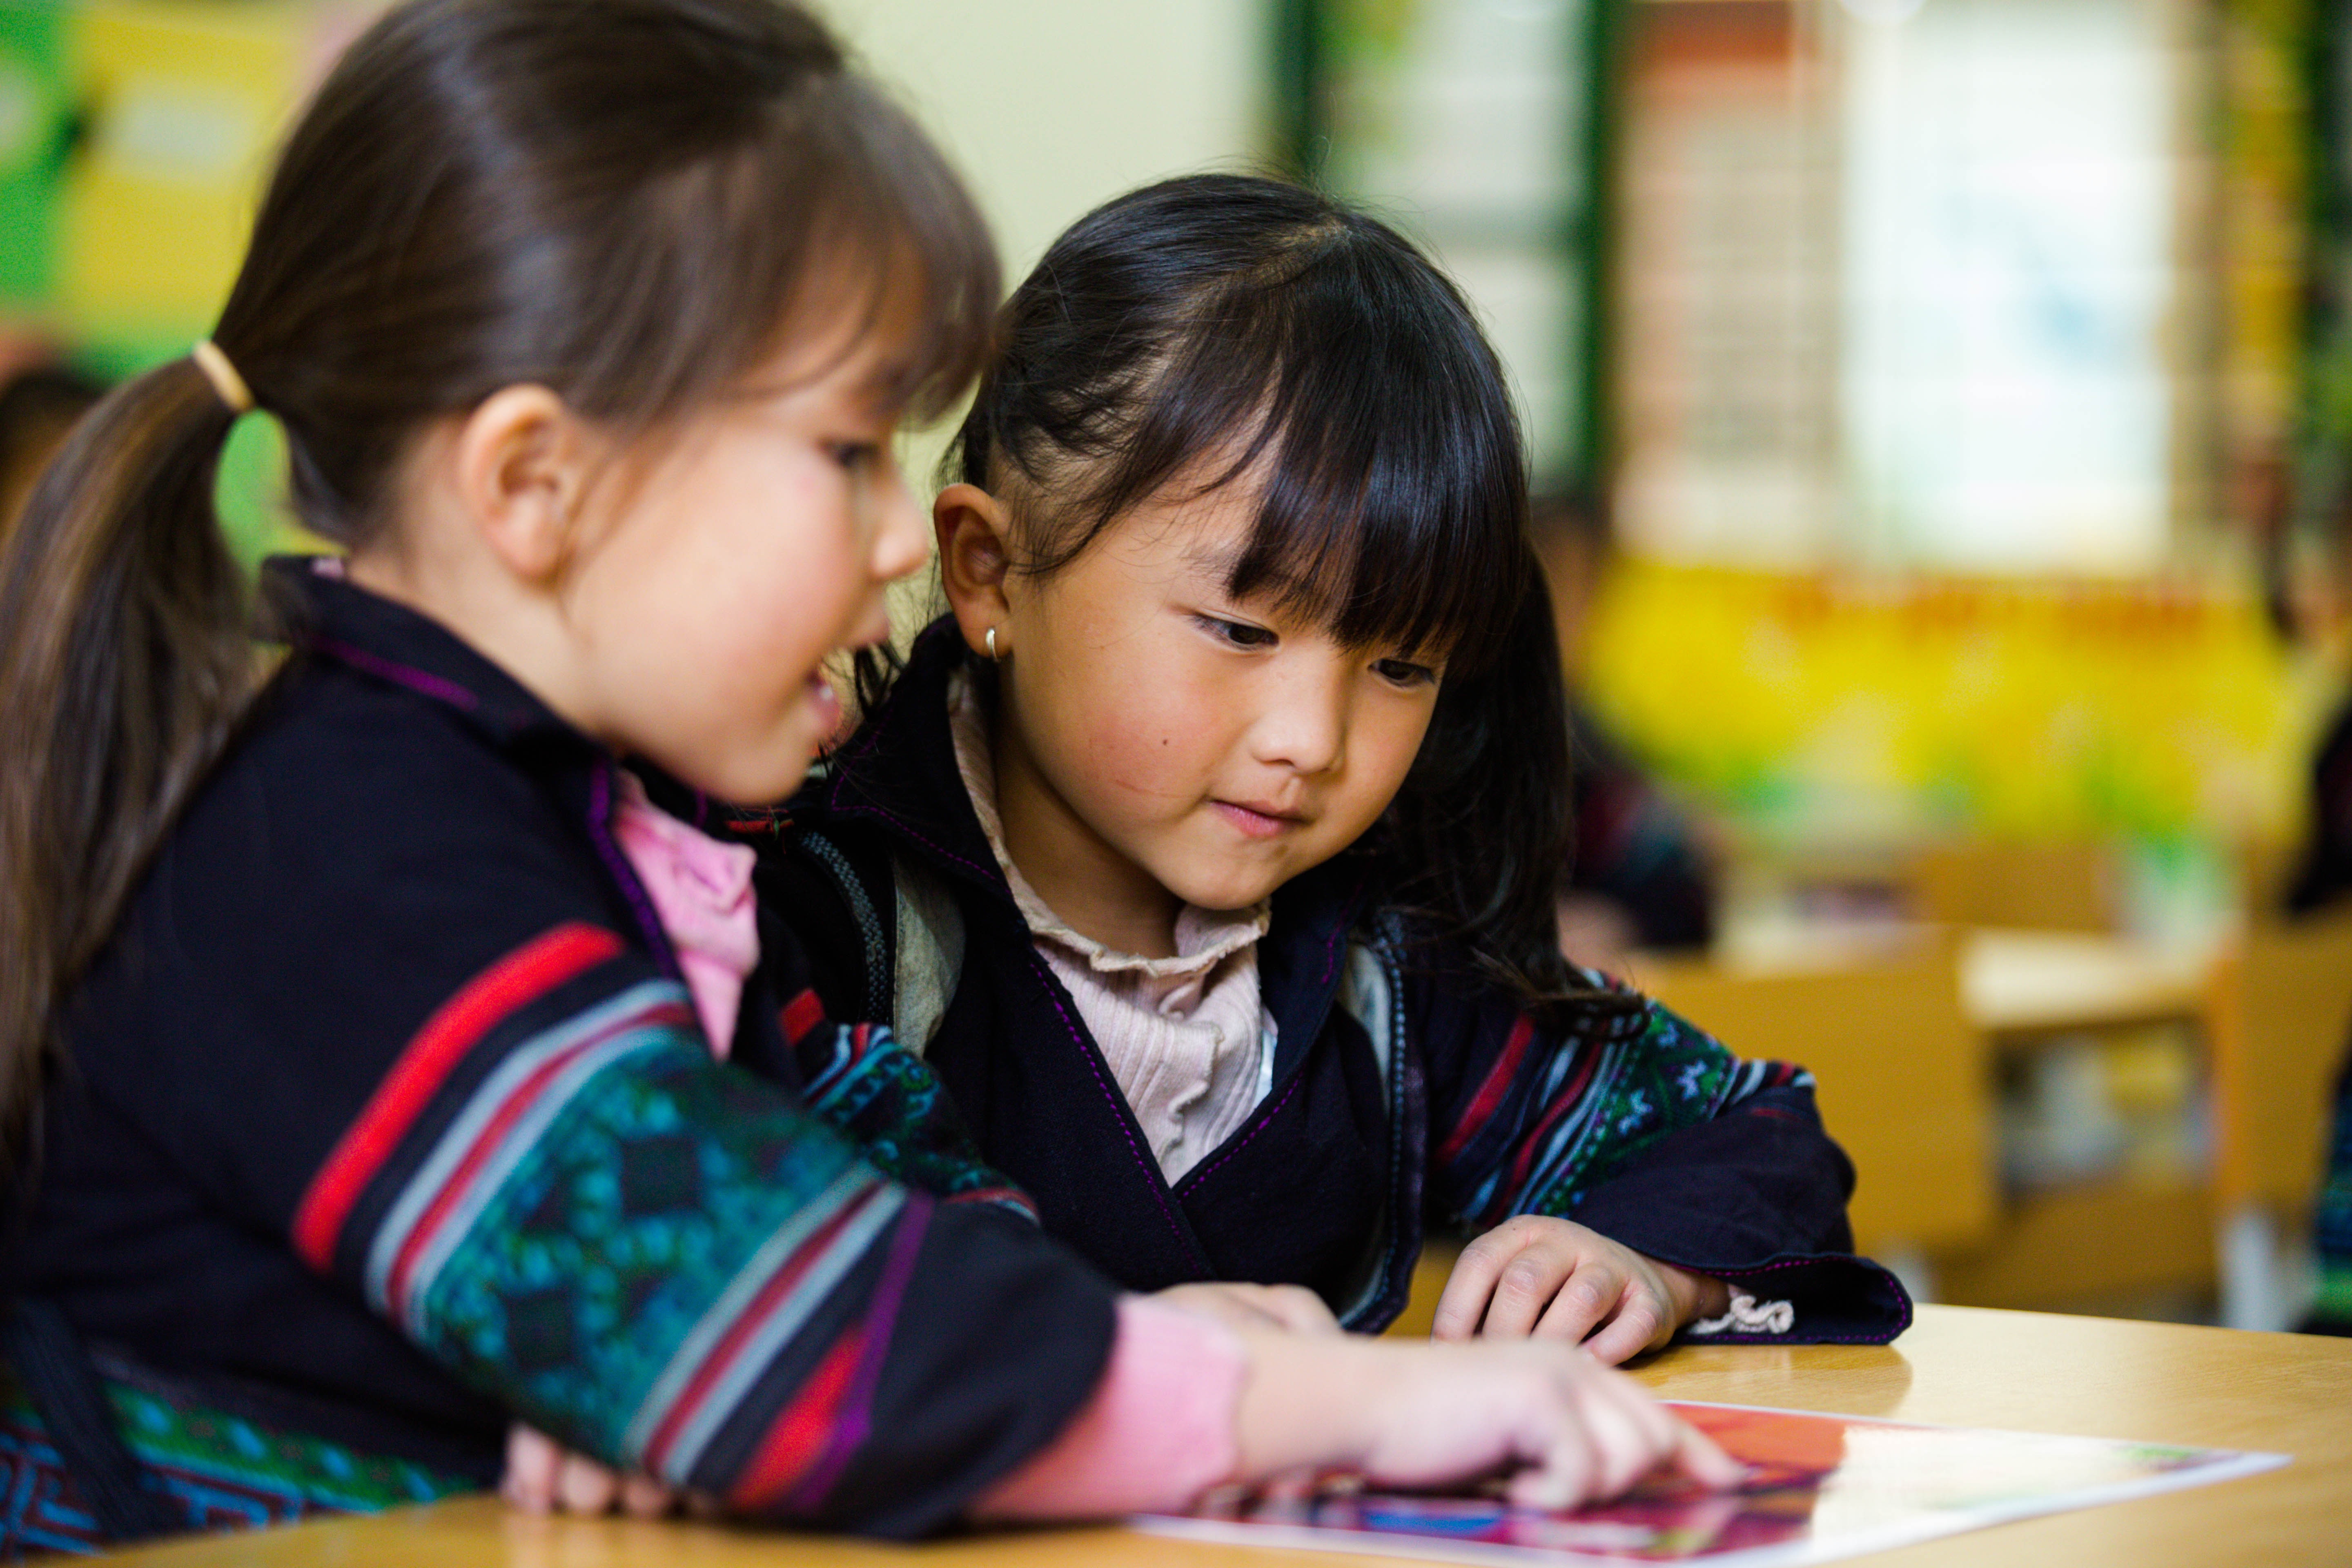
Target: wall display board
x,y
1483,129
134,135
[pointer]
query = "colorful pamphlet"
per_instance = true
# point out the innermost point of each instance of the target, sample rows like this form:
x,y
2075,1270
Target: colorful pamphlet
x,y
1820,1487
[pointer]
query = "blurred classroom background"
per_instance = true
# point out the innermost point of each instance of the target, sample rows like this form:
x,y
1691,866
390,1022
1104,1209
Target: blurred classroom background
x,y
1943,409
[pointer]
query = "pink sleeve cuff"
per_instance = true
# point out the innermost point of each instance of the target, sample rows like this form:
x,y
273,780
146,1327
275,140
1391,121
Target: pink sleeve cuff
x,y
1157,1433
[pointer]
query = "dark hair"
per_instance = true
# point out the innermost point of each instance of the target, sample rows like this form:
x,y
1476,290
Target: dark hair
x,y
633,202
1273,333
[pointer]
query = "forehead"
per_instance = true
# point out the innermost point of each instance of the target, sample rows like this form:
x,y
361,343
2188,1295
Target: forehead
x,y
1186,527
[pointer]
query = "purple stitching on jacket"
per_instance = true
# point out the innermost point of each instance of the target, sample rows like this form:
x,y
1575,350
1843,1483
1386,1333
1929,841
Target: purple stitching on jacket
x,y
600,830
416,680
841,781
882,1317
935,849
1088,1053
1263,1121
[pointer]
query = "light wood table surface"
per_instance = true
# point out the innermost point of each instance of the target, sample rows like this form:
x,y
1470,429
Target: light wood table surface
x,y
2028,983
1957,1365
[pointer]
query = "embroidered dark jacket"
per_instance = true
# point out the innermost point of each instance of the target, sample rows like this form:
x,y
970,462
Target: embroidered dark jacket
x,y
386,1101
1397,1083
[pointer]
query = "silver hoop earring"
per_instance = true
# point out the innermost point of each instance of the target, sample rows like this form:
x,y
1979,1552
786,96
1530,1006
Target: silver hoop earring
x,y
992,654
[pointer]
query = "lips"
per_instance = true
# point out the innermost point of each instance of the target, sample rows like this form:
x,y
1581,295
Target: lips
x,y
826,701
1258,821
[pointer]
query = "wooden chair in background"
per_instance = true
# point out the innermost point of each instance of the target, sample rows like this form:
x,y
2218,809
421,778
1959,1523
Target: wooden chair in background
x,y
1903,1081
2018,884
2278,1021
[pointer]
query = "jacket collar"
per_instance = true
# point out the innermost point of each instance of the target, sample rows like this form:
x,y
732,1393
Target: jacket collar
x,y
898,773
322,614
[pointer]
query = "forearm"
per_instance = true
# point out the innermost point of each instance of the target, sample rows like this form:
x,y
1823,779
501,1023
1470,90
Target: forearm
x,y
674,1268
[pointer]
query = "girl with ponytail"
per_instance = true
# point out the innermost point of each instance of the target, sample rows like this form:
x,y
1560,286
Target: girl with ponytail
x,y
1209,850
390,1049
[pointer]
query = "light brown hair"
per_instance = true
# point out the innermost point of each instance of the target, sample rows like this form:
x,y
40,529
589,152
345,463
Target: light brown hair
x,y
630,202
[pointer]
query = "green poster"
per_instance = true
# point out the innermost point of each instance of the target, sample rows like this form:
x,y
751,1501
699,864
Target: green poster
x,y
36,124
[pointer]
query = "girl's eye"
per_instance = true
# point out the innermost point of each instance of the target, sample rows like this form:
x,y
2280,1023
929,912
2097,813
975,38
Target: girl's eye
x,y
1240,633
1402,672
856,456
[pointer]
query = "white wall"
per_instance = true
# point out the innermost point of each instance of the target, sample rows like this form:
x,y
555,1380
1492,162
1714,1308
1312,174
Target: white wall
x,y
1052,106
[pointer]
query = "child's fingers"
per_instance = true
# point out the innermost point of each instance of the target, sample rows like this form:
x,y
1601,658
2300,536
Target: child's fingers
x,y
643,1497
1525,1288
532,1460
1676,1446
1561,1473
1462,1305
1627,1441
584,1486
1697,1456
1589,1290
1640,1322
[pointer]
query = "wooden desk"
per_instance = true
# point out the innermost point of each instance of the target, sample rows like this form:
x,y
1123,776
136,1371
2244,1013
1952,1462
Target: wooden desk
x,y
2020,984
1959,1366
1903,1027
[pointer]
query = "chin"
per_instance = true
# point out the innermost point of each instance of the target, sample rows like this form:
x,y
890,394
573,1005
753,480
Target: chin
x,y
757,781
1227,896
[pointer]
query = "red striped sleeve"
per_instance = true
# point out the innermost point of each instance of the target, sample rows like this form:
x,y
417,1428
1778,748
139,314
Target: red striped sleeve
x,y
522,976
723,1354
798,1437
1490,1093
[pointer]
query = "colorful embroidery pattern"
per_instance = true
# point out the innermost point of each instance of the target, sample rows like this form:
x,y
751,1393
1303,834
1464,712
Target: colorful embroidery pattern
x,y
218,1472
1550,1119
638,1249
889,1104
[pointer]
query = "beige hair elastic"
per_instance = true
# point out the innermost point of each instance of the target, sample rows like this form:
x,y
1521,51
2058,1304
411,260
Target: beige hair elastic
x,y
223,376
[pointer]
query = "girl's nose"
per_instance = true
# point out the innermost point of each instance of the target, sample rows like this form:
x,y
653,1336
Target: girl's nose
x,y
1304,725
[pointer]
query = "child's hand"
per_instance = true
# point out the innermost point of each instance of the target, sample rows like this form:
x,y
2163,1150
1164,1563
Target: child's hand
x,y
1535,1275
544,1476
1241,1305
1565,1428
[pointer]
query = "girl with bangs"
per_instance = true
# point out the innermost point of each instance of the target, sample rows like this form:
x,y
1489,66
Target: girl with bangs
x,y
390,1073
1207,852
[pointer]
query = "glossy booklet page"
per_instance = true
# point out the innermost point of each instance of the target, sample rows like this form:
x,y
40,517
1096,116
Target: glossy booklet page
x,y
1820,1487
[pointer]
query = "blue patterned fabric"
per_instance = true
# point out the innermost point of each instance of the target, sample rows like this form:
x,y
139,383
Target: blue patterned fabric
x,y
217,1471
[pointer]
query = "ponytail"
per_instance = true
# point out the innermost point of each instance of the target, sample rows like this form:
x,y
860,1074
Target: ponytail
x,y
1483,831
631,203
125,661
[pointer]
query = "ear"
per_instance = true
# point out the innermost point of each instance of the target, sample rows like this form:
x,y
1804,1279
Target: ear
x,y
520,462
975,557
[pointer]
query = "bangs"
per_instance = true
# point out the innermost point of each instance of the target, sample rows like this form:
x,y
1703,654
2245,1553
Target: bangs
x,y
1346,381
1393,500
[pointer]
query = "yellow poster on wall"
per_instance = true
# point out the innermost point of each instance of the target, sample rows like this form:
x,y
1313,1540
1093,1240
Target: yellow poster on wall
x,y
1815,708
185,104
